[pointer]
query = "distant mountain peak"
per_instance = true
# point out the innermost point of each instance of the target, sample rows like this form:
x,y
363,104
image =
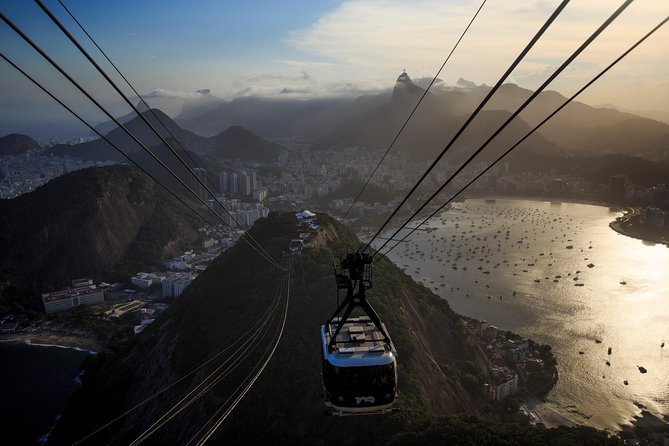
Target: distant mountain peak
x,y
239,142
405,87
141,106
464,83
15,144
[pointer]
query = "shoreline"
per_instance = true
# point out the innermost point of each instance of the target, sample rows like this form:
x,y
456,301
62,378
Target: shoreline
x,y
614,225
551,413
617,226
561,200
36,339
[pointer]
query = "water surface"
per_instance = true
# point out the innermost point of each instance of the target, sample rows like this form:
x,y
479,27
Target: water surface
x,y
35,381
481,252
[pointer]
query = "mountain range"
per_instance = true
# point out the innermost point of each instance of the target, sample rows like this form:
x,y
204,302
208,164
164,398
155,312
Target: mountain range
x,y
232,143
373,120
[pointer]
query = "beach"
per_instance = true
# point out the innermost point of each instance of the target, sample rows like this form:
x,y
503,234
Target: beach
x,y
47,337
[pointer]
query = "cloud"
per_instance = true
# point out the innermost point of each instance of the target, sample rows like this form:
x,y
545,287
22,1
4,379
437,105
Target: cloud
x,y
295,91
163,93
307,63
375,39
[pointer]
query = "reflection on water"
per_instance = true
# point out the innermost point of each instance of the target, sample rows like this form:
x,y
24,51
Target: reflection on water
x,y
558,274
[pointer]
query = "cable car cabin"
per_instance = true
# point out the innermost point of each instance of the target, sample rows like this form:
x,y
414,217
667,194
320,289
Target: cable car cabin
x,y
359,368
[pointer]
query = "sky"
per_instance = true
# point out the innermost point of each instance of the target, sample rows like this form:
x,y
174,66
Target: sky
x,y
304,49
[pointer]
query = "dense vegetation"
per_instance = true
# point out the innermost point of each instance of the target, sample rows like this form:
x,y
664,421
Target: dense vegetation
x,y
104,223
285,404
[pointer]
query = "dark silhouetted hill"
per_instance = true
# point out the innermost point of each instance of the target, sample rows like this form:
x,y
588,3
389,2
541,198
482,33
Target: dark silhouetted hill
x,y
373,120
285,404
239,143
100,150
583,129
268,117
99,222
108,126
16,144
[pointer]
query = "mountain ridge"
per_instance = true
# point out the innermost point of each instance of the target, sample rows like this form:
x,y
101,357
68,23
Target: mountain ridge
x,y
286,401
16,144
371,120
93,222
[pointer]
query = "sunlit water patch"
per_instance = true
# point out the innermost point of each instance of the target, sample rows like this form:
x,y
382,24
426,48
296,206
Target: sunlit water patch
x,y
558,274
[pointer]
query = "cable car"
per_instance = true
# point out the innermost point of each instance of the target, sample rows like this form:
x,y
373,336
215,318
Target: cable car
x,y
359,360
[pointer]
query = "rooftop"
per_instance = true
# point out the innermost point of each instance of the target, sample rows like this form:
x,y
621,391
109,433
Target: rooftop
x,y
358,335
69,293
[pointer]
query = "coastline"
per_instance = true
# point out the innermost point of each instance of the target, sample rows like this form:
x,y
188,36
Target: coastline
x,y
42,339
551,410
590,201
617,226
550,416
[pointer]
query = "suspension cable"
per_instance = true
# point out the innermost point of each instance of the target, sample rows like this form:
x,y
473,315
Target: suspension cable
x,y
564,104
518,59
399,132
207,384
212,379
220,421
134,138
45,90
157,118
215,356
55,20
556,73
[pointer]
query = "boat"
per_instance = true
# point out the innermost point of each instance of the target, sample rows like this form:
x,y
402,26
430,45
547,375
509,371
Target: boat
x,y
623,283
591,265
609,351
